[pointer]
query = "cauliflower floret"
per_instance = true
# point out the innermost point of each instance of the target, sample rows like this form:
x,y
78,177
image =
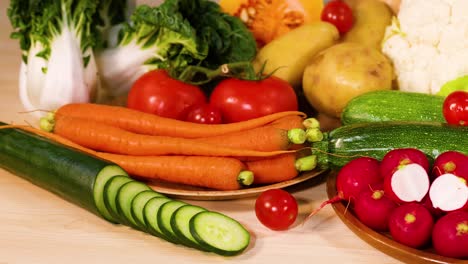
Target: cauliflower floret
x,y
427,43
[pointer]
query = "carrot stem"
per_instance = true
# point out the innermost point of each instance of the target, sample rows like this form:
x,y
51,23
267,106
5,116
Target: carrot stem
x,y
297,136
246,178
314,135
311,123
306,163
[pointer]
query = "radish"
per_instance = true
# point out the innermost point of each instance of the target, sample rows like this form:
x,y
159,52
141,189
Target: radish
x,y
436,212
451,162
405,174
450,235
411,224
373,208
357,175
449,192
397,158
409,183
353,177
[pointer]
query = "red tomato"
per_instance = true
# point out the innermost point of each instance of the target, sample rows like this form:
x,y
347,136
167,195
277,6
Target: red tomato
x,y
157,93
276,209
455,108
240,100
339,14
204,114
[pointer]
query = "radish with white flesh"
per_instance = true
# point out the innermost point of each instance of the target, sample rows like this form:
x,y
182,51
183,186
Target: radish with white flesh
x,y
450,235
373,208
353,177
409,183
449,192
411,225
396,182
453,162
436,212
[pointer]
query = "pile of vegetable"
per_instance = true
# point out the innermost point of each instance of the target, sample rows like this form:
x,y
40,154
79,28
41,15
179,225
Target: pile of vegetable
x,y
105,189
417,202
93,51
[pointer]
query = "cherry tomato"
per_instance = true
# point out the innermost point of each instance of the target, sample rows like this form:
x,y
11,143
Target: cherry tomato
x,y
455,108
157,93
276,209
240,100
204,114
339,14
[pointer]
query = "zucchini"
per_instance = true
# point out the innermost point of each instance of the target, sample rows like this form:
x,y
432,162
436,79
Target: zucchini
x,y
164,218
124,198
393,105
69,173
110,193
344,143
219,233
180,224
138,204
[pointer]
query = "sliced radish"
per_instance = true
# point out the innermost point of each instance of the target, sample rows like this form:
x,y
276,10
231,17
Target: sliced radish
x,y
449,192
410,183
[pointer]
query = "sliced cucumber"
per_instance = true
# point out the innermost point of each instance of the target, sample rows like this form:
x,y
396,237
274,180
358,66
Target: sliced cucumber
x,y
180,224
219,233
164,218
110,190
124,198
150,212
138,204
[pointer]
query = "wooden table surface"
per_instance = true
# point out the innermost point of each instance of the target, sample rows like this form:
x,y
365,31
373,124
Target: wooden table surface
x,y
39,227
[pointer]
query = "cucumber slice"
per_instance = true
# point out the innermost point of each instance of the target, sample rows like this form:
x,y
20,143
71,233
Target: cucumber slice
x,y
150,212
124,198
164,218
219,233
138,204
180,224
111,188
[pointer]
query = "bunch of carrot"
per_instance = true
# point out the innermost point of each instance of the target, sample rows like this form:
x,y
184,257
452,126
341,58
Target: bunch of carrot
x,y
264,150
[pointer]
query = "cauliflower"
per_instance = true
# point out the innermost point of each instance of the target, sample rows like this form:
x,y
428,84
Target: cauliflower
x,y
428,44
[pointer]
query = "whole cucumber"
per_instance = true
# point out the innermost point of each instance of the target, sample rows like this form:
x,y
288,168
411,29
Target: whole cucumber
x,y
345,143
393,105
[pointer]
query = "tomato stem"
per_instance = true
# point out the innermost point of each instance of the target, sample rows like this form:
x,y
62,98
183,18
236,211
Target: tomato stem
x,y
198,75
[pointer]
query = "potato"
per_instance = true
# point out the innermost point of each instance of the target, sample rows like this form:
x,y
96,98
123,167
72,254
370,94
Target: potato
x,y
343,71
371,18
288,55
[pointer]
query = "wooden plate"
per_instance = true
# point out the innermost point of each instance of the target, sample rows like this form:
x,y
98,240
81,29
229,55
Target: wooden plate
x,y
195,193
381,241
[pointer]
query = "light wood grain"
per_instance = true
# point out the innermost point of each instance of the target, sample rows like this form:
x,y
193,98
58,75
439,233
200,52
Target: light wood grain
x,y
37,227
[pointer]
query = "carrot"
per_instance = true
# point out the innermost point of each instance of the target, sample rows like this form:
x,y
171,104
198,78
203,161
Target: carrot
x,y
264,138
220,173
280,168
289,122
106,138
149,124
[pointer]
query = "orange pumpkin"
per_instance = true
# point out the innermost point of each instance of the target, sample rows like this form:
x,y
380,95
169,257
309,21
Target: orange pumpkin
x,y
269,19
